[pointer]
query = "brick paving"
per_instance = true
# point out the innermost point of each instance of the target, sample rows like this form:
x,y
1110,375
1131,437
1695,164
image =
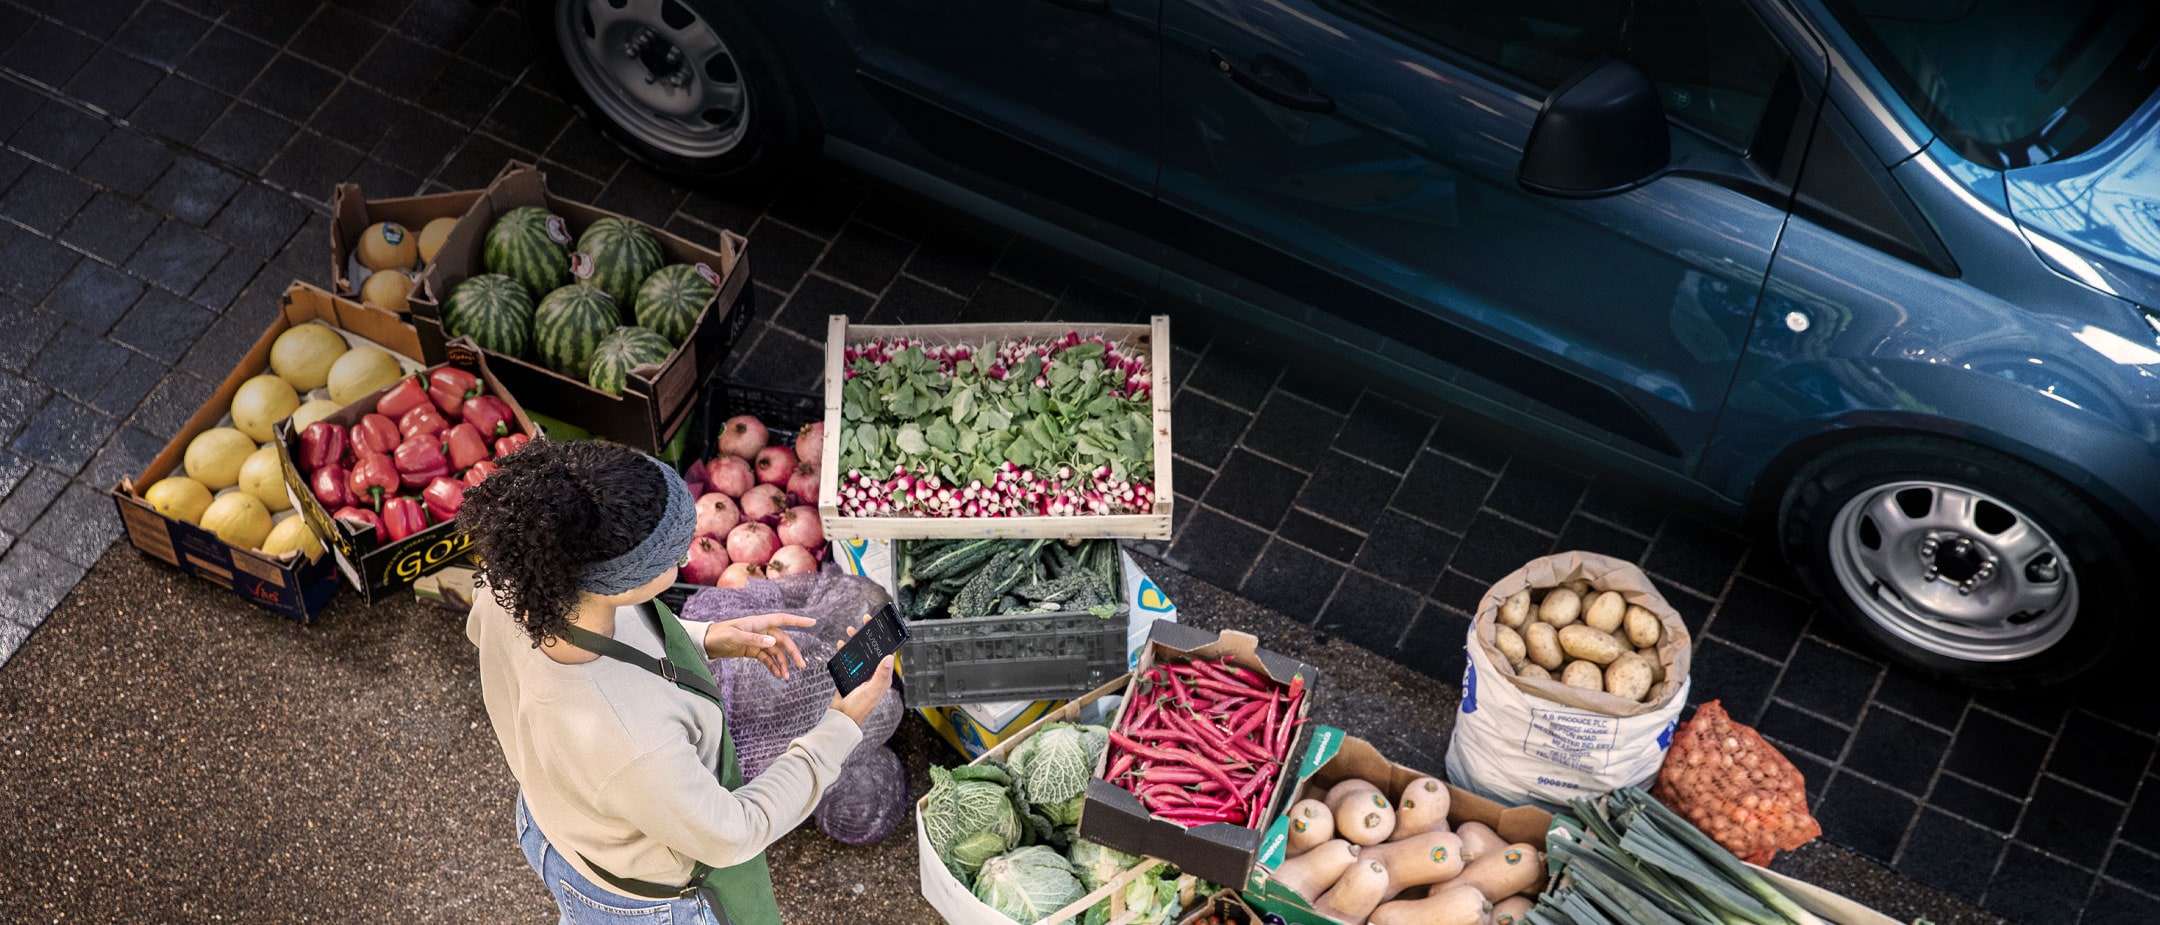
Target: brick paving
x,y
164,174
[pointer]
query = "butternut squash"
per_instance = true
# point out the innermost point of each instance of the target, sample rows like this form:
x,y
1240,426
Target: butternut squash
x,y
1311,825
1346,787
1418,860
1512,910
1452,906
1478,840
1310,874
1351,899
1363,816
1504,873
1423,808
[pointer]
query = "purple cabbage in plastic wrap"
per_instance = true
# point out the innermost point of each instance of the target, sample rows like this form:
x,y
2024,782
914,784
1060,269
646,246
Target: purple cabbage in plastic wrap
x,y
765,713
868,801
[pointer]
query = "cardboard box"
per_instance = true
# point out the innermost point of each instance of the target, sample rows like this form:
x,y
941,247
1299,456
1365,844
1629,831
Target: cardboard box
x,y
351,213
1226,906
1221,853
656,401
1152,338
374,569
976,729
293,587
1332,757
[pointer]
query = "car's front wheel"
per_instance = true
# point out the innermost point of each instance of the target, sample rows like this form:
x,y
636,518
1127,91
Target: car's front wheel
x,y
1958,560
692,88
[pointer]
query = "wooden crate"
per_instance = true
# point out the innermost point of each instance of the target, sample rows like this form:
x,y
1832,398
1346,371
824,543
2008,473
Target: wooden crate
x,y
1152,525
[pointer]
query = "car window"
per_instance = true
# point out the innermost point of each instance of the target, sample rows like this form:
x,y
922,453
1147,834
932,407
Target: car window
x,y
1713,61
1541,41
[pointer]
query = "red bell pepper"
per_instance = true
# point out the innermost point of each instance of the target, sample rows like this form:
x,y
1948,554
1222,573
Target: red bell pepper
x,y
422,420
444,496
408,394
480,472
360,518
328,486
510,444
450,387
375,433
321,444
402,517
372,477
465,446
420,460
489,415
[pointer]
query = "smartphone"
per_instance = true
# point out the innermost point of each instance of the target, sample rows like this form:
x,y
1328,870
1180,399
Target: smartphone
x,y
856,661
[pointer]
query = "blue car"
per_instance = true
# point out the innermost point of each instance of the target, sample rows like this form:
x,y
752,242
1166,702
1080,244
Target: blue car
x,y
1886,271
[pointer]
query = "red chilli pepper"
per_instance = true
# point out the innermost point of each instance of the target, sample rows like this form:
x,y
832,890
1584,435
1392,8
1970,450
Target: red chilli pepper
x,y
376,433
510,444
444,496
373,476
321,444
465,446
449,387
489,415
480,472
403,517
422,420
420,460
360,518
328,486
408,394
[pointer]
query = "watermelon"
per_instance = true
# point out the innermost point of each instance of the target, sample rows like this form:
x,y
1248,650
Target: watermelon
x,y
622,254
671,300
494,311
569,325
623,350
531,246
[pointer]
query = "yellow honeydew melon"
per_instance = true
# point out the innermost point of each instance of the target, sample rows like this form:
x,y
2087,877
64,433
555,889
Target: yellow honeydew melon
x,y
238,519
179,497
388,290
388,246
359,372
215,456
260,404
264,477
311,411
292,535
432,236
303,354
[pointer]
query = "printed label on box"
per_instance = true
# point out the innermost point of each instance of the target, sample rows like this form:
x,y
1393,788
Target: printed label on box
x,y
1583,741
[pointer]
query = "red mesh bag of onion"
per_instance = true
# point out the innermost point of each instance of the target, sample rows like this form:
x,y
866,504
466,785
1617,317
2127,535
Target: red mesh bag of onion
x,y
1721,776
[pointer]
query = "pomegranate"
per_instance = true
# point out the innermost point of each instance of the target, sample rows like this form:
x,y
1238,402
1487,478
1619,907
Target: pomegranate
x,y
707,560
730,476
738,575
763,504
792,560
717,514
810,443
800,527
803,485
743,435
774,465
751,542
695,478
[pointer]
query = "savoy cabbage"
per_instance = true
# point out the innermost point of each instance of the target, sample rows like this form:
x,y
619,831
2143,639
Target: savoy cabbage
x,y
1054,764
968,821
1029,884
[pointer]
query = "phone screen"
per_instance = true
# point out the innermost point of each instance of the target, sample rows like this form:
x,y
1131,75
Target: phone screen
x,y
854,663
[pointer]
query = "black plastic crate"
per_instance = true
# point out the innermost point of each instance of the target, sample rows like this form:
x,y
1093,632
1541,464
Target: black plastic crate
x,y
722,400
1046,656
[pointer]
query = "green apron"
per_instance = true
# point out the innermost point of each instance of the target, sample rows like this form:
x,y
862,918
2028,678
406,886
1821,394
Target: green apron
x,y
739,895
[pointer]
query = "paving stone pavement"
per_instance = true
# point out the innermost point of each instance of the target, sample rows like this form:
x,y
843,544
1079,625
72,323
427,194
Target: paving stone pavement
x,y
164,175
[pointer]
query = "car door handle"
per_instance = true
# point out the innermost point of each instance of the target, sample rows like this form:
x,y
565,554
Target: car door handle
x,y
1085,6
1299,95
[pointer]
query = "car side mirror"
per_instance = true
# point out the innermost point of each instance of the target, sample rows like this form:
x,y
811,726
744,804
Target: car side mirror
x,y
1601,132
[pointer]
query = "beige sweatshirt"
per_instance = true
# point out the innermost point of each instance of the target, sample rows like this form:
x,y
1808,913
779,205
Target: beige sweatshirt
x,y
619,765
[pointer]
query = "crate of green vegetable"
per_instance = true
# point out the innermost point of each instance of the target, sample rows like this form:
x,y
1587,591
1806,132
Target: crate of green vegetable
x,y
994,620
1008,430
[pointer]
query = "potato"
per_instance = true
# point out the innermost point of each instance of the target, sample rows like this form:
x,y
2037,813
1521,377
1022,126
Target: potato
x,y
1605,610
1644,629
1585,675
1628,676
1560,607
1529,670
1590,645
1541,645
1515,611
1581,586
1657,663
1509,643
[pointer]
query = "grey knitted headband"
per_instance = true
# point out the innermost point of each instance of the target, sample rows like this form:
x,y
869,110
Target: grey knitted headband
x,y
661,548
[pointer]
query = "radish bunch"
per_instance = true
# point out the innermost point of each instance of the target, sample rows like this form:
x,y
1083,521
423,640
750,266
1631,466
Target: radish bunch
x,y
1012,492
757,506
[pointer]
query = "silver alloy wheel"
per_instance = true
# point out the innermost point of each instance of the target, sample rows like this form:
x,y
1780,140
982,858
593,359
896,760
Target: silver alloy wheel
x,y
1953,570
657,70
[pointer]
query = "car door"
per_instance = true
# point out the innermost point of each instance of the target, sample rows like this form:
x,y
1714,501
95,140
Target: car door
x,y
1056,97
1360,157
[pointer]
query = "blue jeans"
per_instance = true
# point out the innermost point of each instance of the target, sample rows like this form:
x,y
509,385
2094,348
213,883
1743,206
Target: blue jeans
x,y
583,902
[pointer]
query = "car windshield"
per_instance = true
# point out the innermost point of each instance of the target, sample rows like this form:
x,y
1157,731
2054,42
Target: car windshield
x,y
2011,83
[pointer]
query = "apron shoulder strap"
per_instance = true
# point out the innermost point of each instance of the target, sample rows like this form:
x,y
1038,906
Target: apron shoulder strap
x,y
695,678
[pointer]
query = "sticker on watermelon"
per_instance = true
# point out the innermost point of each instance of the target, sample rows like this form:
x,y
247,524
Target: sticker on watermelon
x,y
581,265
557,230
706,273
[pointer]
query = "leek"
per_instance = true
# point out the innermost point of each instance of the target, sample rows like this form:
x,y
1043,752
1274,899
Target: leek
x,y
1683,833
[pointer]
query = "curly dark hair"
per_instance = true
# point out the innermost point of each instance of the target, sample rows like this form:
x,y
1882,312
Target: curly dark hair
x,y
552,508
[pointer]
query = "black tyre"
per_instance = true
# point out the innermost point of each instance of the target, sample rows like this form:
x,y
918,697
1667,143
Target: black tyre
x,y
1959,561
692,88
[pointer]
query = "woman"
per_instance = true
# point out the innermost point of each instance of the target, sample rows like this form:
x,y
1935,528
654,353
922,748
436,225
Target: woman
x,y
631,802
